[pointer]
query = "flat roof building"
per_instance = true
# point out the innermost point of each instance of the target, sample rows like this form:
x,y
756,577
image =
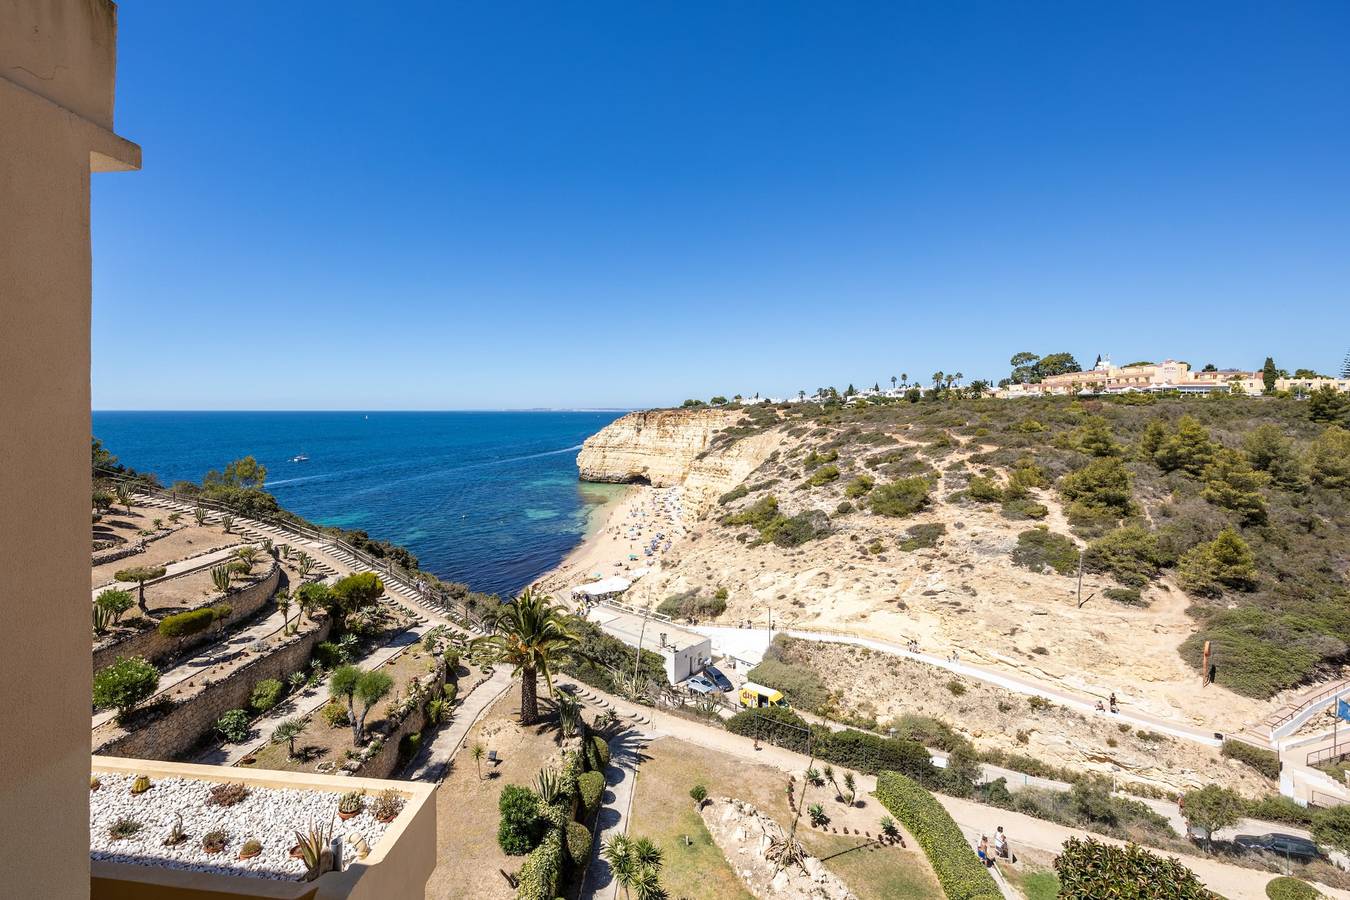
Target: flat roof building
x,y
685,652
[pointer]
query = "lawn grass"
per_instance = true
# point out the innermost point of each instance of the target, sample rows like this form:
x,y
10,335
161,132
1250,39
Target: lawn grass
x,y
871,871
663,812
1034,883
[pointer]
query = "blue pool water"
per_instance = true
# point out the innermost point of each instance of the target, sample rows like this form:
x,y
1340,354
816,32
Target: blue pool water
x,y
487,498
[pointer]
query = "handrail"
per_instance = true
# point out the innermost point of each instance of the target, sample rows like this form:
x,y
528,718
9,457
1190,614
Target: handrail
x,y
408,581
1317,698
1337,751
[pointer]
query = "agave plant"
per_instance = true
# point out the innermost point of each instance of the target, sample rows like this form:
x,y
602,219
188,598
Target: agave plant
x,y
569,715
548,784
220,577
102,618
304,565
227,522
312,846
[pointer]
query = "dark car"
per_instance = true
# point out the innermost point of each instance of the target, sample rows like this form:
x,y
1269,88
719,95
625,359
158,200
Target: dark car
x,y
1286,845
723,682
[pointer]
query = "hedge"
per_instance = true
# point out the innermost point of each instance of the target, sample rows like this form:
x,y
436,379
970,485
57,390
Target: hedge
x,y
1267,762
958,869
1089,869
857,750
601,751
1286,888
540,874
185,623
592,786
578,844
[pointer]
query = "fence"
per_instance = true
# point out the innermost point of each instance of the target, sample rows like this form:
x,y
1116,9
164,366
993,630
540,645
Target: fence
x,y
437,598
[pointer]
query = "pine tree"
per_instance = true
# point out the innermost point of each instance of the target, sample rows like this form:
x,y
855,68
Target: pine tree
x,y
1188,449
1231,482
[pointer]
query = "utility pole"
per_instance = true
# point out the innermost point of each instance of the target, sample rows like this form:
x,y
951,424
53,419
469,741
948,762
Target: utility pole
x,y
1081,600
637,661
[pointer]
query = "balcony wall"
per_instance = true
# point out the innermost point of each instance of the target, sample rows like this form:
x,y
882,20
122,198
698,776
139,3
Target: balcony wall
x,y
396,869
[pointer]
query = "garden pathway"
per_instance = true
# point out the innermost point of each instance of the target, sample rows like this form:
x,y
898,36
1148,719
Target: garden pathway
x,y
307,701
433,760
1232,882
174,569
620,779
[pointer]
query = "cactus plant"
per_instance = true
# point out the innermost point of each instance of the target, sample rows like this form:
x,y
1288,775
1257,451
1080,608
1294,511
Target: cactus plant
x,y
252,847
388,805
351,804
141,784
94,783
220,578
124,828
199,514
176,834
227,522
215,841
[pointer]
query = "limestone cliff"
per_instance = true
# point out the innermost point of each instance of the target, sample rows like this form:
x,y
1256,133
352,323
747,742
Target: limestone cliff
x,y
674,447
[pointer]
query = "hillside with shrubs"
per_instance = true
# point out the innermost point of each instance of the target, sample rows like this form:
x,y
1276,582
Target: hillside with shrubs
x,y
963,523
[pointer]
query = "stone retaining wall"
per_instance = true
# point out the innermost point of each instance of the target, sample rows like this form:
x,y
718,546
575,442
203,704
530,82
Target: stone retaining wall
x,y
121,550
179,730
156,648
385,762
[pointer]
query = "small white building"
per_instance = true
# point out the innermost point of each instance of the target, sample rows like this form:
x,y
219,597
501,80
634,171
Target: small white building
x,y
685,652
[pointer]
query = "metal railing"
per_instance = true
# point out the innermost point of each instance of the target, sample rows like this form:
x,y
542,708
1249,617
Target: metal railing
x,y
1338,751
1311,701
435,597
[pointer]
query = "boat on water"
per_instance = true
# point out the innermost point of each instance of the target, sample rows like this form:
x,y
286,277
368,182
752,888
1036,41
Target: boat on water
x,y
300,458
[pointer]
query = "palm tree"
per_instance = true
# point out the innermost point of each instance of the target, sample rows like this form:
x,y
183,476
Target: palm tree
x,y
288,731
618,852
904,378
892,382
477,754
284,604
531,635
636,865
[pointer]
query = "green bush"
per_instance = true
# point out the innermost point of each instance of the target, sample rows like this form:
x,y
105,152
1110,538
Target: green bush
x,y
1103,483
1225,562
772,723
578,844
591,785
1090,870
601,751
984,490
327,655
858,750
124,684
823,475
922,537
520,827
184,624
266,694
959,871
1278,808
733,495
1125,596
335,714
1267,762
690,605
540,874
596,656
1023,508
900,498
233,726
1040,547
1129,554
799,684
1286,888
859,486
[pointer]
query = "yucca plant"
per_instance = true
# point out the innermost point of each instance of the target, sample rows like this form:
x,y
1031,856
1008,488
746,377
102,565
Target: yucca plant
x,y
248,555
123,494
304,565
220,577
312,846
227,522
267,545
287,731
175,518
156,524
284,550
199,515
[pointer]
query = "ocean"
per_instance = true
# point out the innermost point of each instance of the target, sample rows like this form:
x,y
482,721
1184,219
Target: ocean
x,y
490,499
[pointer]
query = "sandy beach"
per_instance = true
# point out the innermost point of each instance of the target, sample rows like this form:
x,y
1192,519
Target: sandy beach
x,y
618,543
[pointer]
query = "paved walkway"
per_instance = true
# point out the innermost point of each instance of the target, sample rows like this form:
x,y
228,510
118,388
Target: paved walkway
x,y
434,759
1081,702
174,569
1233,882
306,702
620,780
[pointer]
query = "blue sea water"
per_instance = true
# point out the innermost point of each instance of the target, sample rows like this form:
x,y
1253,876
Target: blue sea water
x,y
487,498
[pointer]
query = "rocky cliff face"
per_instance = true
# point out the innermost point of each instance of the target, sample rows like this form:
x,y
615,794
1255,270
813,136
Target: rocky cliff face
x,y
671,447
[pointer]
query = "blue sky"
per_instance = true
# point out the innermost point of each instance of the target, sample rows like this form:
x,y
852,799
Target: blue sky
x,y
504,205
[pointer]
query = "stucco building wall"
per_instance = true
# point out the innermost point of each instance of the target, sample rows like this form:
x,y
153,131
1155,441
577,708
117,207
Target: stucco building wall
x,y
57,63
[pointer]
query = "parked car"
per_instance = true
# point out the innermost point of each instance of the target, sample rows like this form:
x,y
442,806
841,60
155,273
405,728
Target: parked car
x,y
715,675
1286,845
701,685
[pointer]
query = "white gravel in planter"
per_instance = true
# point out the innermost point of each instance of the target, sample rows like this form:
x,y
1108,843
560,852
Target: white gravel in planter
x,y
269,815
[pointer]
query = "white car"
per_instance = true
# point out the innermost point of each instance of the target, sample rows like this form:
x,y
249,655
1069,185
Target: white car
x,y
700,684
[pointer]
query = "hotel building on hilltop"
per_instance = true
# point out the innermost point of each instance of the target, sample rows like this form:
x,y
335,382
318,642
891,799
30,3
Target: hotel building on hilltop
x,y
1168,375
